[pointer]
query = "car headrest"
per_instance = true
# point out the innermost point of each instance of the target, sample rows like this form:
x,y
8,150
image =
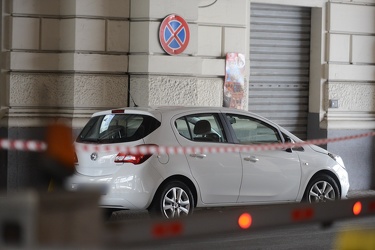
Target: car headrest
x,y
202,127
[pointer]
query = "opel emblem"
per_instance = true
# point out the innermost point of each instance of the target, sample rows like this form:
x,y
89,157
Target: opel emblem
x,y
94,156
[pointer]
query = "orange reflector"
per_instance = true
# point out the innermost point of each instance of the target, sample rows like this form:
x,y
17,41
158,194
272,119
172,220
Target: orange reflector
x,y
245,220
302,214
371,207
167,229
357,208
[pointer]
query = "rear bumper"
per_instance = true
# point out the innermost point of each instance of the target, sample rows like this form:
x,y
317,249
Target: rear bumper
x,y
122,190
108,199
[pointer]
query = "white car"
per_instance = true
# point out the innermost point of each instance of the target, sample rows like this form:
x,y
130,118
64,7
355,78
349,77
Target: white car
x,y
173,185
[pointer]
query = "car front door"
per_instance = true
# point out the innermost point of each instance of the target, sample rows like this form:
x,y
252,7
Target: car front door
x,y
268,176
218,174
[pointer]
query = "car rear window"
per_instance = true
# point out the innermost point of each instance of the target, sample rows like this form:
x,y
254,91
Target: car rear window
x,y
114,128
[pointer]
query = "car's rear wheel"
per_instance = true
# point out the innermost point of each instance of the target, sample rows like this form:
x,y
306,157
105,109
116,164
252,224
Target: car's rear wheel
x,y
173,200
322,188
107,213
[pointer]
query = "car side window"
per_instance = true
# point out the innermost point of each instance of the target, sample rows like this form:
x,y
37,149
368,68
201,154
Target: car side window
x,y
201,127
183,127
252,131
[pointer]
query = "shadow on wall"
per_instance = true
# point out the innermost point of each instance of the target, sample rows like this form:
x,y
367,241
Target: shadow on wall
x,y
313,128
3,159
373,165
22,167
358,156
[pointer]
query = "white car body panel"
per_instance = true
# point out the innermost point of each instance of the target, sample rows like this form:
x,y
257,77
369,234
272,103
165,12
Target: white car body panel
x,y
218,175
266,179
128,188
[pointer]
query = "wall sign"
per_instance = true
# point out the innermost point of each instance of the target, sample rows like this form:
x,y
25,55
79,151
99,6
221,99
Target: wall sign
x,y
234,85
174,34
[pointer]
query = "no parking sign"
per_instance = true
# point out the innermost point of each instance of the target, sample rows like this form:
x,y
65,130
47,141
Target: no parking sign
x,y
174,34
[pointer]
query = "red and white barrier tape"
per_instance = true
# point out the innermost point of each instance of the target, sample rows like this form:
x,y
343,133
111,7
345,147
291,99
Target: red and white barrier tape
x,y
39,146
22,145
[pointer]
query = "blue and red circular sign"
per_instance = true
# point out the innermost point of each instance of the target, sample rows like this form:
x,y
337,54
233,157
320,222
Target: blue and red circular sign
x,y
174,34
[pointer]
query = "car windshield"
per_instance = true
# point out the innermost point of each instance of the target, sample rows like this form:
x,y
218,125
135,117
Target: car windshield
x,y
114,128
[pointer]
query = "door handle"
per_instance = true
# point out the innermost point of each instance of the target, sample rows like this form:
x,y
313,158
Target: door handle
x,y
200,156
251,158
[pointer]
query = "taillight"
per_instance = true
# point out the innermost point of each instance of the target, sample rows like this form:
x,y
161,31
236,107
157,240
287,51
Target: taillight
x,y
135,158
131,158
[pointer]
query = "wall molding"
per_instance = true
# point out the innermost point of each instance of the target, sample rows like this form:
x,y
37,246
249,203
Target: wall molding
x,y
348,120
27,117
303,3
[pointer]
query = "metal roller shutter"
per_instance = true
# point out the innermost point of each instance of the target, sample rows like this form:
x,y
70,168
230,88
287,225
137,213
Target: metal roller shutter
x,y
279,65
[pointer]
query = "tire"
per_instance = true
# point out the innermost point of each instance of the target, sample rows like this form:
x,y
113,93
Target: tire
x,y
321,188
107,213
173,200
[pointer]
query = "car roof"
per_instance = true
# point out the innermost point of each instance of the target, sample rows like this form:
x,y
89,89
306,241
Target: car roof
x,y
170,111
153,110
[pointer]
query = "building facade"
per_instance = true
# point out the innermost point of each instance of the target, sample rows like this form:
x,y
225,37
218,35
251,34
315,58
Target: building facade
x,y
65,59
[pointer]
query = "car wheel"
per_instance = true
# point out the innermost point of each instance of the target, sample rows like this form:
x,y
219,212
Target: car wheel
x,y
173,200
107,213
322,188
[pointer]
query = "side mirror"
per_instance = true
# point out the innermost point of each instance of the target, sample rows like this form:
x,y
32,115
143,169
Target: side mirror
x,y
289,140
232,120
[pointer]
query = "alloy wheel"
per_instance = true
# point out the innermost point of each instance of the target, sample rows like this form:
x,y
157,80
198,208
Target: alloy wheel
x,y
321,191
176,203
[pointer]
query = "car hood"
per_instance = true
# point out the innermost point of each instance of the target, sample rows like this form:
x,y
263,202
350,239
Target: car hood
x,y
318,149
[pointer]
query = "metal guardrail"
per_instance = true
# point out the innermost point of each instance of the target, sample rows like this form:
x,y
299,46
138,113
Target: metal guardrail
x,y
62,219
238,219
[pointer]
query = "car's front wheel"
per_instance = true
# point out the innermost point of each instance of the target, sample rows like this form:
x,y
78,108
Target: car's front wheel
x,y
321,188
173,200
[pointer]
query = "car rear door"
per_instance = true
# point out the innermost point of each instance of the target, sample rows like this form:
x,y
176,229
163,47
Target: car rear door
x,y
218,174
268,176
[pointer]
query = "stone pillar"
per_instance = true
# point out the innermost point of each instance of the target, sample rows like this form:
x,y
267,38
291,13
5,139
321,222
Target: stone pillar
x,y
61,59
66,58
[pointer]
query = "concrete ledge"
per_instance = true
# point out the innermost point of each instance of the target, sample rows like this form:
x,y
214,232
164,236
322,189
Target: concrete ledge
x,y
360,193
